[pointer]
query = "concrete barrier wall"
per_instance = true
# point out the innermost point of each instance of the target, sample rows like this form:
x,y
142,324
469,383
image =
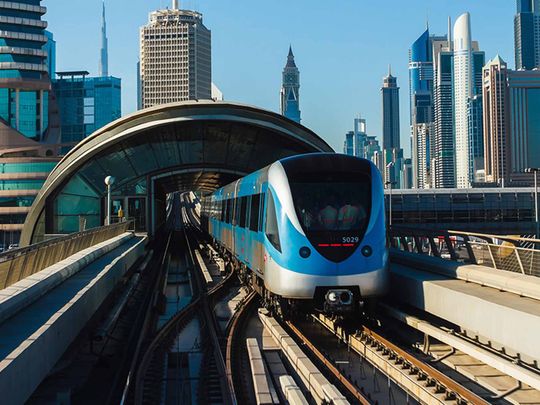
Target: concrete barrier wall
x,y
25,292
23,370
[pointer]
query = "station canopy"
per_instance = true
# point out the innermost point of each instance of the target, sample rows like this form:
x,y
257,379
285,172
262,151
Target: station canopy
x,y
194,145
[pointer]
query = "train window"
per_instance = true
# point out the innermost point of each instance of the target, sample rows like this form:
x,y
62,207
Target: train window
x,y
243,212
271,225
254,215
228,205
232,206
223,210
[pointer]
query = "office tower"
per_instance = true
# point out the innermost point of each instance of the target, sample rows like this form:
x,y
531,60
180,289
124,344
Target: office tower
x,y
476,138
407,176
175,57
290,89
467,63
104,55
28,127
524,93
443,160
50,49
348,145
527,34
497,162
86,104
421,91
421,154
390,108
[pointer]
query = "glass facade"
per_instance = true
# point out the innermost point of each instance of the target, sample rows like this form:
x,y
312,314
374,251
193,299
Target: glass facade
x,y
21,180
24,105
184,147
508,211
86,104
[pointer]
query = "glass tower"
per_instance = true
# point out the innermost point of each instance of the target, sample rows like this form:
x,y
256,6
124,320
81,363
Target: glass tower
x,y
24,81
290,90
527,34
28,123
390,108
86,104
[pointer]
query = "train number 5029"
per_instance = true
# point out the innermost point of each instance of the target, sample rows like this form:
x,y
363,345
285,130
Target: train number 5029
x,y
350,239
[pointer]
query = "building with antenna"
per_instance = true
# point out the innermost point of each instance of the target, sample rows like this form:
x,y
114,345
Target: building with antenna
x,y
390,109
290,89
175,61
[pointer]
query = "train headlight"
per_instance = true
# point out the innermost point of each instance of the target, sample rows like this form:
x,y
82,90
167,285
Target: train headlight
x,y
367,251
332,297
305,252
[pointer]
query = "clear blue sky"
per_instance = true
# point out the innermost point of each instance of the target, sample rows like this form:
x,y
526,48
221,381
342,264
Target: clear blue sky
x,y
342,48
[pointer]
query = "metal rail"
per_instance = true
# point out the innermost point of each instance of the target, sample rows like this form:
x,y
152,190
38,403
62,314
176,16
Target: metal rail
x,y
18,264
234,346
405,360
353,392
508,253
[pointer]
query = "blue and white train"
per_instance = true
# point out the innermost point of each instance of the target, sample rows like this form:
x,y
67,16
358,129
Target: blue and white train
x,y
308,229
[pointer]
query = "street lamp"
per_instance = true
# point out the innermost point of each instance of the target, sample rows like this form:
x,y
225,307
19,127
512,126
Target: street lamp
x,y
535,170
389,184
109,181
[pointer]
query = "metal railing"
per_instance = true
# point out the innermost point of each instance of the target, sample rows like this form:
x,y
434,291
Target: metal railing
x,y
509,253
18,264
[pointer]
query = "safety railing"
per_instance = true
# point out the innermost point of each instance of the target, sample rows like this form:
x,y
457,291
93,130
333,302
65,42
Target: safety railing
x,y
18,264
509,253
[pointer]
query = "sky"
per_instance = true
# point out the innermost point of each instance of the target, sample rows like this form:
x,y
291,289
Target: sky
x,y
342,47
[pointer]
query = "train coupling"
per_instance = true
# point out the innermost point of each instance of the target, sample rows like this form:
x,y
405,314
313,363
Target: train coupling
x,y
339,300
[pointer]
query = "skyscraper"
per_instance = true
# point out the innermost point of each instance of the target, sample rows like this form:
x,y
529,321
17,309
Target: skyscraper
x,y
524,92
497,162
527,34
390,109
421,89
476,138
443,161
290,89
29,133
467,64
175,57
104,55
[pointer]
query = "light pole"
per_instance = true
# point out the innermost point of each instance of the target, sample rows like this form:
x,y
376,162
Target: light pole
x,y
535,170
109,181
389,183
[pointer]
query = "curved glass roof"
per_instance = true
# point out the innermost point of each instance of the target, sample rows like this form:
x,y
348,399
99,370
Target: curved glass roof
x,y
183,146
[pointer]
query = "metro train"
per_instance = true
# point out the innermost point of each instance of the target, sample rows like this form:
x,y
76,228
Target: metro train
x,y
307,232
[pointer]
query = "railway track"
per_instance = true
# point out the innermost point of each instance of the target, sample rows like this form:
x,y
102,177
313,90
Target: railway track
x,y
235,354
148,383
418,377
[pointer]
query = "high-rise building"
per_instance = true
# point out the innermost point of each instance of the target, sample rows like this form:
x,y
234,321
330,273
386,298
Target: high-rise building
x,y
348,145
29,131
497,161
527,34
524,93
50,49
421,90
467,64
175,57
476,138
86,104
104,54
443,165
290,89
390,109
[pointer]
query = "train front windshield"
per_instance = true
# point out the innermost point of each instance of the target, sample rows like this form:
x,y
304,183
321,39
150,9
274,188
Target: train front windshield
x,y
333,209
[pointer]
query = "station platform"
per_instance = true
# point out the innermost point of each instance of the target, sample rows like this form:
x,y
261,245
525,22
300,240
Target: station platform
x,y
60,303
495,307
